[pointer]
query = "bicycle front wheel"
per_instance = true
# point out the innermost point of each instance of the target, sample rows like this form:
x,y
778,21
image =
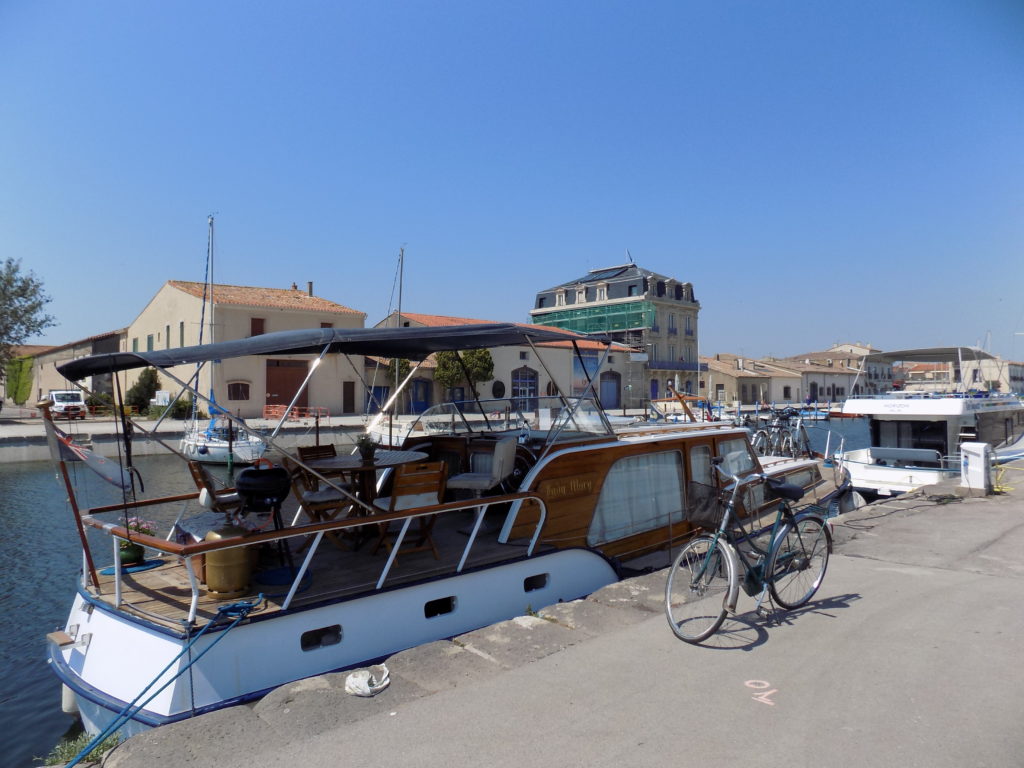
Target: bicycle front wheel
x,y
697,588
797,562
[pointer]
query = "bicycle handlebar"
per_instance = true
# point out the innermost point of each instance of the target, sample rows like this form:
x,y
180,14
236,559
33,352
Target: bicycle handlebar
x,y
781,489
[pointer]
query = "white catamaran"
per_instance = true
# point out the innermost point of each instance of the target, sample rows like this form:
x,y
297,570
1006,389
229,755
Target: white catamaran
x,y
487,509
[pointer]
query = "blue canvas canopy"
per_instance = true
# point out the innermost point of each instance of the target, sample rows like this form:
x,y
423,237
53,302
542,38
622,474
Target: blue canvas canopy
x,y
409,343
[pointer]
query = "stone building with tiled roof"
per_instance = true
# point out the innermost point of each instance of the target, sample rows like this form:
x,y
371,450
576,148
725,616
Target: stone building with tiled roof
x,y
517,371
731,378
44,368
245,385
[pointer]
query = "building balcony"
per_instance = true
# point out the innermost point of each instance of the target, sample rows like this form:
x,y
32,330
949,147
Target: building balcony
x,y
675,365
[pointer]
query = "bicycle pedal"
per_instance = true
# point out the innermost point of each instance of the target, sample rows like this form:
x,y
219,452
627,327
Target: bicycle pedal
x,y
763,612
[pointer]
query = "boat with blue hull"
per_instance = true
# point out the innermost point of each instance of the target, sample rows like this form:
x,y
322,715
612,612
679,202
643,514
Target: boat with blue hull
x,y
324,562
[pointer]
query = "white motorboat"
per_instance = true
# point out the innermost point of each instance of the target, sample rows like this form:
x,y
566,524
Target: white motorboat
x,y
556,505
916,435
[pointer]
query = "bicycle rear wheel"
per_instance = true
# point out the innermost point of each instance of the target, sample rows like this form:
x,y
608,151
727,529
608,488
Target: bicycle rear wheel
x,y
797,562
760,443
696,590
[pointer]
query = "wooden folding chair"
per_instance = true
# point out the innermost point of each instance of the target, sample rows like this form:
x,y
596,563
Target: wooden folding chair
x,y
320,505
419,484
222,499
306,452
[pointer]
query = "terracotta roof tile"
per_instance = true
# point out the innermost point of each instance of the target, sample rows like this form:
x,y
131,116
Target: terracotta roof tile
x,y
438,321
30,350
279,298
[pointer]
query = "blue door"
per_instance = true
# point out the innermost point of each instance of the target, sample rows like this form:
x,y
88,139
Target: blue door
x,y
376,398
609,392
419,395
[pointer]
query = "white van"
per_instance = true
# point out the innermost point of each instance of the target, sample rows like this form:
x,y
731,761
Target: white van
x,y
69,403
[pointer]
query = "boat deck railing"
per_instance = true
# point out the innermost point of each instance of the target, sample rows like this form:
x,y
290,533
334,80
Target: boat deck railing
x,y
932,395
904,458
189,553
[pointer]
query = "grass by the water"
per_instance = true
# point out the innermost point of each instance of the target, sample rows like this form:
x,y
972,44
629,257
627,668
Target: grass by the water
x,y
68,748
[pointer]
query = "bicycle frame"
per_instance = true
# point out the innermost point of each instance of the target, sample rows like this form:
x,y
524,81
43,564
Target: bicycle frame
x,y
754,579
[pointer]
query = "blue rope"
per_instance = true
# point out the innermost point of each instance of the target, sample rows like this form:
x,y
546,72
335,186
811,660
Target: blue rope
x,y
238,611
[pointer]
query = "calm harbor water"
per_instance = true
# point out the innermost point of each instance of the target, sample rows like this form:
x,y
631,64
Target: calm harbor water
x,y
40,560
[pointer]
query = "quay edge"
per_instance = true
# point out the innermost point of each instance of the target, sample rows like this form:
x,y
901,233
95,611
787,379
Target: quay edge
x,y
23,440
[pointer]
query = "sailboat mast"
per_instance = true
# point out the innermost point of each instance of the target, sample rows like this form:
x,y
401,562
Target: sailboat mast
x,y
209,279
398,323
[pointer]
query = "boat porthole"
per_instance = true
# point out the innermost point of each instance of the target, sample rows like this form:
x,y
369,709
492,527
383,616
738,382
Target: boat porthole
x,y
320,638
439,607
535,582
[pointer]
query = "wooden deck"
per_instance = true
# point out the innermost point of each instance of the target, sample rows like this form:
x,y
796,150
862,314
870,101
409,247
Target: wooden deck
x,y
163,594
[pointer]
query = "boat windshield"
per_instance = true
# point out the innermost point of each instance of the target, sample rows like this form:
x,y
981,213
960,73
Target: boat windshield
x,y
222,429
550,419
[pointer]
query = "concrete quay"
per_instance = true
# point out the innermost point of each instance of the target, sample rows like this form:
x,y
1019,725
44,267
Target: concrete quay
x,y
909,655
24,439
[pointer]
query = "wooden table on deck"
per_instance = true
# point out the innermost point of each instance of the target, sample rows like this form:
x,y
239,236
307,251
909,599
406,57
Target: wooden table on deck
x,y
365,473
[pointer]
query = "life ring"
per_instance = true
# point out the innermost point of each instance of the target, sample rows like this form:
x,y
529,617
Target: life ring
x,y
263,462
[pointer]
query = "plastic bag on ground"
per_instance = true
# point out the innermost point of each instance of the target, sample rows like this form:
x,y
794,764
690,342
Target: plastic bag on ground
x,y
369,681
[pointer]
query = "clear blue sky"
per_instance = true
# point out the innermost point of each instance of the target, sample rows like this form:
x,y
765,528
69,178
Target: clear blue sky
x,y
820,171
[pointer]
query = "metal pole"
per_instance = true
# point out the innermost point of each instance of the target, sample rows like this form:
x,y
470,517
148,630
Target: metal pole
x,y
44,406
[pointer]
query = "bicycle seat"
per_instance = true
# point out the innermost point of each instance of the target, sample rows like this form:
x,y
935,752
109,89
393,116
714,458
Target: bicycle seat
x,y
780,489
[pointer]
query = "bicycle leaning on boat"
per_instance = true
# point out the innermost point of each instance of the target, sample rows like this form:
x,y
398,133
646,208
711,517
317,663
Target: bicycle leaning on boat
x,y
784,562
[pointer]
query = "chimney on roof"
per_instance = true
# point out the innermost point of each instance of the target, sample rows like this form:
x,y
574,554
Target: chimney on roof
x,y
739,363
309,287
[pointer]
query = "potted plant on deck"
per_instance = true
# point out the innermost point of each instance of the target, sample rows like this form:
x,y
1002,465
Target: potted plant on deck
x,y
129,551
367,446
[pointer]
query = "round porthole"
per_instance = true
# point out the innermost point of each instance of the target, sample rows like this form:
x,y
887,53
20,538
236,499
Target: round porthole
x,y
498,389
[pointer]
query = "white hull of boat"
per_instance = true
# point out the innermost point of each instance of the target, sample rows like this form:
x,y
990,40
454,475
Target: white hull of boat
x,y
201,449
123,655
868,476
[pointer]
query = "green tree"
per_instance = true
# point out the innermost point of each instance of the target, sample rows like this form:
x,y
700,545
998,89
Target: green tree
x,y
21,308
142,391
404,366
449,373
18,373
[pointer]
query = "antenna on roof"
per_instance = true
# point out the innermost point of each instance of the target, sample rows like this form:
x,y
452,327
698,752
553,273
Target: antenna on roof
x,y
628,256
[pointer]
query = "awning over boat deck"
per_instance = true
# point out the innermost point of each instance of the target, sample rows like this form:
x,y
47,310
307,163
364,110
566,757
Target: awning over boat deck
x,y
410,343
